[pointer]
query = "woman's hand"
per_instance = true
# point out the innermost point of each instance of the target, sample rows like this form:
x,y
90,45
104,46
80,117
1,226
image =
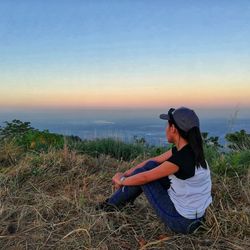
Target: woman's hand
x,y
116,180
127,173
131,170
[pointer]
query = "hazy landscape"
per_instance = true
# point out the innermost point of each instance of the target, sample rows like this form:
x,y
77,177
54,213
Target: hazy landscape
x,y
124,124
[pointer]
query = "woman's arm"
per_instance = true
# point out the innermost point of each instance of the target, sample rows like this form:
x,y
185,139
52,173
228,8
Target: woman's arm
x,y
160,159
165,169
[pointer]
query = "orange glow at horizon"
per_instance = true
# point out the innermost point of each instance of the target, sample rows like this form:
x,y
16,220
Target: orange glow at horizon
x,y
136,97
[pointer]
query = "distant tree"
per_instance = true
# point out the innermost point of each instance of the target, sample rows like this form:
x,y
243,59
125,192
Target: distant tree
x,y
15,128
22,134
239,140
73,138
211,141
139,140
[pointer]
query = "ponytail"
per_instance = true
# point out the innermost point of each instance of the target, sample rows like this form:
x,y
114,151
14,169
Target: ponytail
x,y
193,136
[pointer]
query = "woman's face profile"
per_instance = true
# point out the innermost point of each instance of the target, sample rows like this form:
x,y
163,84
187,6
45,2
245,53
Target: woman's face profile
x,y
169,133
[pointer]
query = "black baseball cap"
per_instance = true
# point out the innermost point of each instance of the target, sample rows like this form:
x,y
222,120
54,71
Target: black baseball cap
x,y
183,118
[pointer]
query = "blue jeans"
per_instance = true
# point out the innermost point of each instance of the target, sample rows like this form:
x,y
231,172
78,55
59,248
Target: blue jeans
x,y
157,195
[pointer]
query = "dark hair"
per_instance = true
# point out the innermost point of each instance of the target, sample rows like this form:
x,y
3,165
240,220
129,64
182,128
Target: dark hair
x,y
194,139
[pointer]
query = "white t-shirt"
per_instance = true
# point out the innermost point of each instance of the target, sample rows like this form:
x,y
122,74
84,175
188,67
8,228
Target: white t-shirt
x,y
190,189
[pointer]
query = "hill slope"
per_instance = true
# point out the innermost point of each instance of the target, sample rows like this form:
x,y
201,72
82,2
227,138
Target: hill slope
x,y
48,200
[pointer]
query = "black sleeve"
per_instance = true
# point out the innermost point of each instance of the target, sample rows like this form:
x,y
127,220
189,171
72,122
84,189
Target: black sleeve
x,y
185,161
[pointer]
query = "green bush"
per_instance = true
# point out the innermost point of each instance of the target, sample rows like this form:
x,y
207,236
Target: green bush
x,y
15,129
23,135
212,154
231,163
154,151
117,149
239,140
210,140
108,146
41,140
239,161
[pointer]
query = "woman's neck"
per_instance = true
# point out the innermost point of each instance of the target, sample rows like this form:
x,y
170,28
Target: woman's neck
x,y
180,142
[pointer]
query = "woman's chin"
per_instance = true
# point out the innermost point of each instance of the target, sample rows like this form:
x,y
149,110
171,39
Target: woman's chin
x,y
169,141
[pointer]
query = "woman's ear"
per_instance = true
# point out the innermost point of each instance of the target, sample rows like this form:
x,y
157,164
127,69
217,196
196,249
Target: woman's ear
x,y
173,129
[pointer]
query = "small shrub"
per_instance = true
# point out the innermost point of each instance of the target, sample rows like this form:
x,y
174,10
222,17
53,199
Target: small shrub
x,y
15,129
211,140
211,153
239,140
154,151
41,140
239,161
23,135
108,146
231,163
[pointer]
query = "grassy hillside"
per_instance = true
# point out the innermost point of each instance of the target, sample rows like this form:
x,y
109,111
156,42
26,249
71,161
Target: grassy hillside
x,y
49,189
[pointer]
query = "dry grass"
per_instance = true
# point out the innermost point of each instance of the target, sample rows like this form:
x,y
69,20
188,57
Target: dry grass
x,y
47,202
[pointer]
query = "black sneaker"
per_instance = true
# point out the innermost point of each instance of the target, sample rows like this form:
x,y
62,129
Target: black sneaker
x,y
107,207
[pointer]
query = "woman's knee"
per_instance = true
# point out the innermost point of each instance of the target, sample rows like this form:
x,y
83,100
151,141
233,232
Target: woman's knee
x,y
138,170
148,166
151,164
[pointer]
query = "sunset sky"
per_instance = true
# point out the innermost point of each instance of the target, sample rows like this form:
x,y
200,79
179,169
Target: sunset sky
x,y
124,54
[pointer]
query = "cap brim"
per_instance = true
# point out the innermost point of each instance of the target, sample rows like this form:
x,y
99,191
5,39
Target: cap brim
x,y
164,116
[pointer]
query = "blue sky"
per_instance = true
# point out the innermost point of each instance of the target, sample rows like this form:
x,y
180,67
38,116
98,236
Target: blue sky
x,y
124,53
